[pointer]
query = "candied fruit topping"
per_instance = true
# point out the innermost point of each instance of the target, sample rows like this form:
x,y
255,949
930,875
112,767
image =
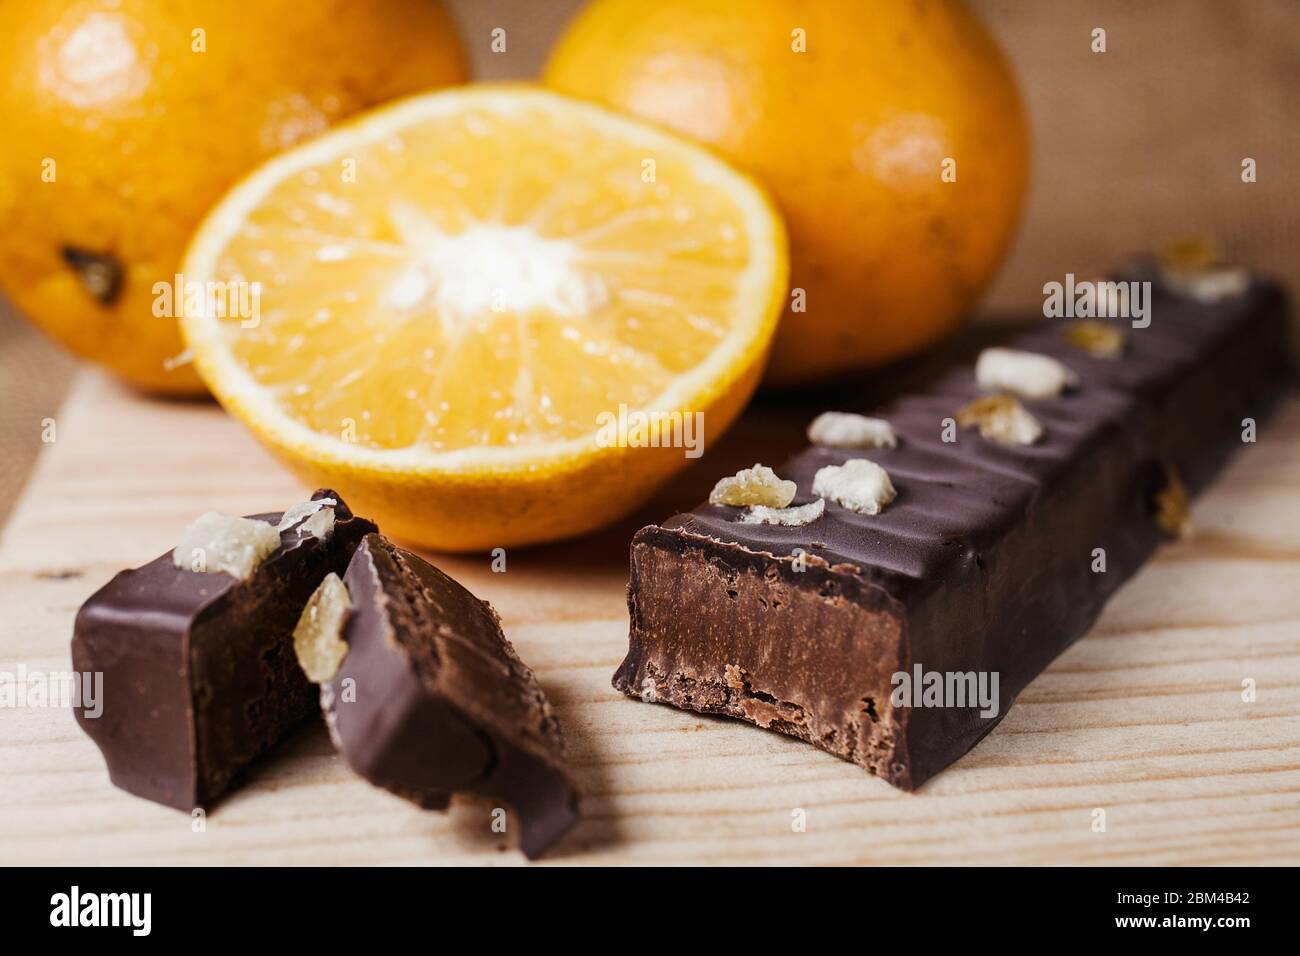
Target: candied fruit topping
x,y
318,637
1173,505
859,485
1002,419
790,517
753,486
1027,374
1099,339
847,430
214,542
304,509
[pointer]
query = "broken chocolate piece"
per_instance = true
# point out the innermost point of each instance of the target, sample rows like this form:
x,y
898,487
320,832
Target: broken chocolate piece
x,y
432,700
984,565
199,671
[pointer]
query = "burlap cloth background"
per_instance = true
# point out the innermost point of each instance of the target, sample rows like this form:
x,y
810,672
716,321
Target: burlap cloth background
x,y
1131,146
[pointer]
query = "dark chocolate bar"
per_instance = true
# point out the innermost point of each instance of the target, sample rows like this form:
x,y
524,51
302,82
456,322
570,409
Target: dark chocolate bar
x,y
199,671
986,563
432,700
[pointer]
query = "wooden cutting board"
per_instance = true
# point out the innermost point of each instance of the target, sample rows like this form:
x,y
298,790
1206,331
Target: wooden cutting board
x,y
1143,719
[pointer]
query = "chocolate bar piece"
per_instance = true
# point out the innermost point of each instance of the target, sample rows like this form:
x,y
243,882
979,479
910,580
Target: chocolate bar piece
x,y
993,557
432,700
199,671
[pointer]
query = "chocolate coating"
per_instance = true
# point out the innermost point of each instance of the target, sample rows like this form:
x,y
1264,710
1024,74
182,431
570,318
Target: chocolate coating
x,y
432,700
983,563
199,671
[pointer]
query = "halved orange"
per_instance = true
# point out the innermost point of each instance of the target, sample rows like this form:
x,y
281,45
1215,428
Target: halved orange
x,y
440,307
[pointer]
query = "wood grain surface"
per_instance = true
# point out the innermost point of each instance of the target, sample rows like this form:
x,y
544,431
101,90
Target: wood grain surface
x,y
1144,718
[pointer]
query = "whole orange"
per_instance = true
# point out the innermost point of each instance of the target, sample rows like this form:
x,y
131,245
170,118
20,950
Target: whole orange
x,y
891,134
124,120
